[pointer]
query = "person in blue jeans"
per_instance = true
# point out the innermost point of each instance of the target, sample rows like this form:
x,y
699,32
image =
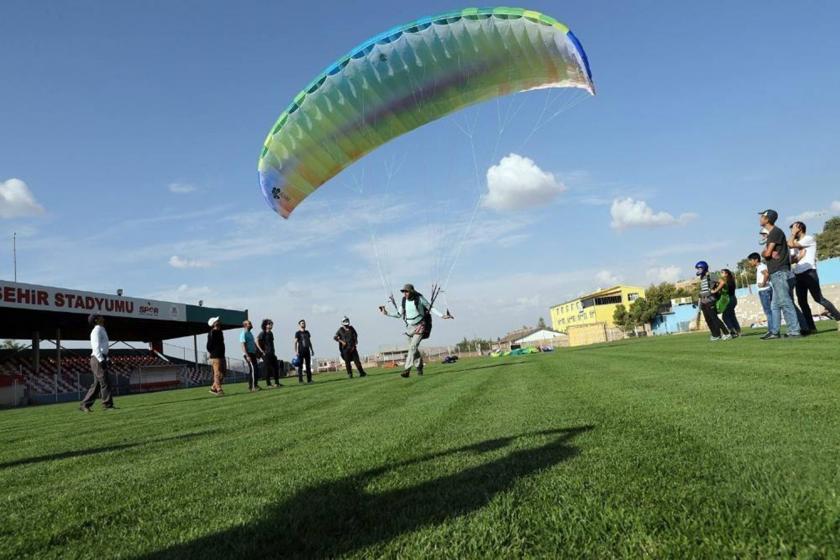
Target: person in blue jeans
x,y
777,256
765,291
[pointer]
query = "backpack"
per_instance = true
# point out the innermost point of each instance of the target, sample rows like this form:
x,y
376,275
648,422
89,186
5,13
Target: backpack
x,y
427,316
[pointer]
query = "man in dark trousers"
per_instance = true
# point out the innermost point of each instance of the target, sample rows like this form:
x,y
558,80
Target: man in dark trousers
x,y
708,300
304,351
348,341
265,344
216,351
99,365
804,262
250,353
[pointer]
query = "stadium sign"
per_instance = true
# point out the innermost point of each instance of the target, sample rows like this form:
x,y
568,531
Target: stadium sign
x,y
60,300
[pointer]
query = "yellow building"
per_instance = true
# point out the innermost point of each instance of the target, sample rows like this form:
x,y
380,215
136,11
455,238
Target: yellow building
x,y
597,307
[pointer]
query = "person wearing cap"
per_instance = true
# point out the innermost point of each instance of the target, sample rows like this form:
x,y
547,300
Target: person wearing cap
x,y
216,351
710,285
99,366
804,261
265,345
250,353
777,256
304,351
413,312
348,341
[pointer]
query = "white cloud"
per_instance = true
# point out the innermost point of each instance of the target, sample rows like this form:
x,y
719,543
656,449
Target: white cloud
x,y
809,215
606,278
322,309
182,294
835,206
178,262
664,274
17,201
181,188
629,213
516,182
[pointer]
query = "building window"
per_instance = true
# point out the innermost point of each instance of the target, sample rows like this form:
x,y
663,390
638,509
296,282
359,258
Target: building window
x,y
608,300
632,297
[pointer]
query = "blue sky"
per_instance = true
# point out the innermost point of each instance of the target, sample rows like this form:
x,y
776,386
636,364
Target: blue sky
x,y
136,129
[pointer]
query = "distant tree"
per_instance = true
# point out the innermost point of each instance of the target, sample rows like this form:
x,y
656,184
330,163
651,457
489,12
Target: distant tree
x,y
471,345
541,323
659,298
744,274
828,242
12,345
621,318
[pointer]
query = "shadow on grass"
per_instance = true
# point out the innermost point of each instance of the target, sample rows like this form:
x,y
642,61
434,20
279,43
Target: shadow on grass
x,y
97,450
341,517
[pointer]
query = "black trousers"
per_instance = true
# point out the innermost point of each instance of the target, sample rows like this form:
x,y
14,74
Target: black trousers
x,y
272,369
304,360
712,319
101,385
352,356
253,370
809,281
729,317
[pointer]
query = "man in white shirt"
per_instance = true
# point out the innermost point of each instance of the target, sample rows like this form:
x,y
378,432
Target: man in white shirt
x,y
765,290
804,265
99,365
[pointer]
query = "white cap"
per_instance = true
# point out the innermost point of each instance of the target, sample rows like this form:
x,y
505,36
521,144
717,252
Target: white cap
x,y
212,321
346,320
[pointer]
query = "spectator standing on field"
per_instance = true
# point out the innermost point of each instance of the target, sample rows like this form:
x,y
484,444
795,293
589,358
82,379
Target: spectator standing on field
x,y
727,284
99,366
250,354
304,352
777,256
804,260
348,342
765,291
265,345
216,351
708,283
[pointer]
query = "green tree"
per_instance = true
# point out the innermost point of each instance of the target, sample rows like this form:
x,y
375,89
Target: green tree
x,y
621,318
12,345
744,274
541,323
828,242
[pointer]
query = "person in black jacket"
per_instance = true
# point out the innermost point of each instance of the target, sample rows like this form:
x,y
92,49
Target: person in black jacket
x,y
304,352
348,340
265,344
216,349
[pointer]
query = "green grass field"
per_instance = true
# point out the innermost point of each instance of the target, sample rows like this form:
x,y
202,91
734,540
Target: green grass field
x,y
670,447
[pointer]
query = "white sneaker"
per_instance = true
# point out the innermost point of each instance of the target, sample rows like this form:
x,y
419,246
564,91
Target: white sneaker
x,y
714,338
726,337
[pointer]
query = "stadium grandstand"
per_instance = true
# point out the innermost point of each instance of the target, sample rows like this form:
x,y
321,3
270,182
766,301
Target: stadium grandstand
x,y
51,317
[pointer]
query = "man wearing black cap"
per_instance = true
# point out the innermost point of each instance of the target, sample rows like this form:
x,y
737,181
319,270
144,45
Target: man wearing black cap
x,y
414,311
348,341
99,365
777,256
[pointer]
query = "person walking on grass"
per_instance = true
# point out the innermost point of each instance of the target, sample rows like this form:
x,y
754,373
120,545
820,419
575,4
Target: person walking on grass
x,y
804,260
348,342
99,366
777,256
250,353
415,311
265,346
708,300
727,284
304,352
216,350
765,291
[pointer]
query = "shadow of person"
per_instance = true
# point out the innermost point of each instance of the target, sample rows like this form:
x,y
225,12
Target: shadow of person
x,y
340,517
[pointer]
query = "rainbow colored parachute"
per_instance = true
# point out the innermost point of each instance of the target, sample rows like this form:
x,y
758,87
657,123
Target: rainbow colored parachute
x,y
407,77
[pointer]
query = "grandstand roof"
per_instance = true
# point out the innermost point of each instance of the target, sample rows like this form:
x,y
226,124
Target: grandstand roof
x,y
29,308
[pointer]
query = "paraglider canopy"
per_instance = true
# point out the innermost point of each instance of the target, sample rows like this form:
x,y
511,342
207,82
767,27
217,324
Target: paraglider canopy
x,y
406,77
